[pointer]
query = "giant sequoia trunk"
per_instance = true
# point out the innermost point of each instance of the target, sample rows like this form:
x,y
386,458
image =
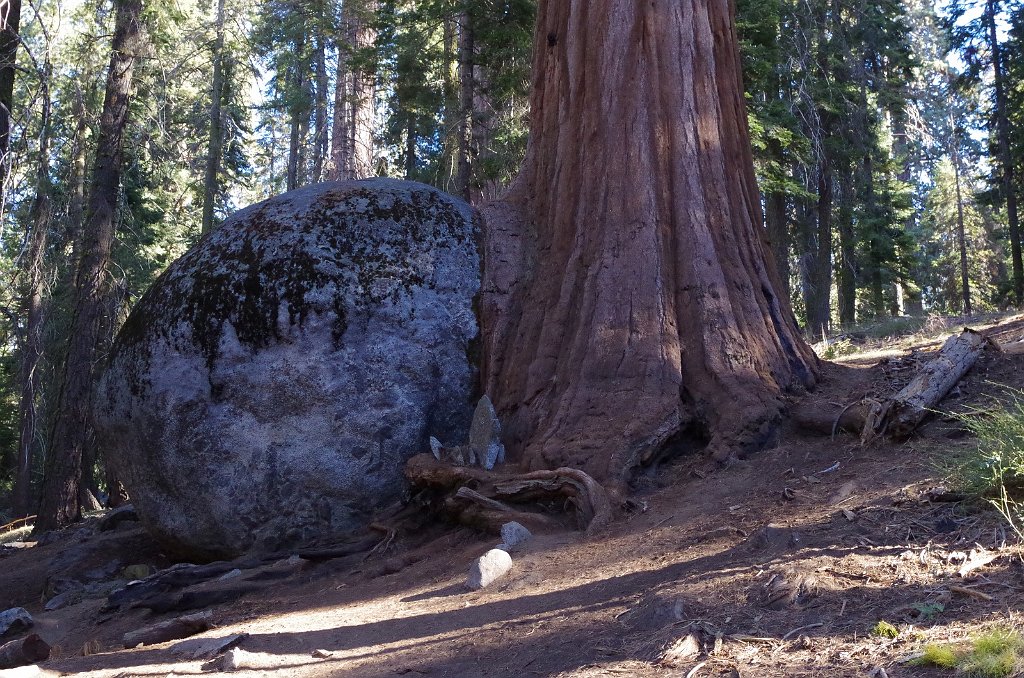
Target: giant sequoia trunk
x,y
630,302
59,505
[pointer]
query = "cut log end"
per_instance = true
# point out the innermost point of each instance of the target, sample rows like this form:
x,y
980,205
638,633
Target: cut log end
x,y
24,651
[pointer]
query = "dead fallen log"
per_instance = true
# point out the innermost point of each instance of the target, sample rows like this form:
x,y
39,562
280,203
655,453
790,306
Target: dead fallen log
x,y
24,651
172,629
475,509
1014,348
477,496
899,416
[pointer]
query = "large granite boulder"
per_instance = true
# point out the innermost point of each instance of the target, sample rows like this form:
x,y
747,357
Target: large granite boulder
x,y
266,391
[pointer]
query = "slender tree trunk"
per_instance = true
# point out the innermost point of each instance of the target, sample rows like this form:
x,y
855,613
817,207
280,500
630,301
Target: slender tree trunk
x,y
467,86
60,501
32,309
298,122
352,147
320,113
76,201
1005,157
961,237
847,251
629,302
410,149
819,311
10,22
215,149
777,221
450,92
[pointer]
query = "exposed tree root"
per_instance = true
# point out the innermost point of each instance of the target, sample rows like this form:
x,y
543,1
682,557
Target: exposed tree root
x,y
478,497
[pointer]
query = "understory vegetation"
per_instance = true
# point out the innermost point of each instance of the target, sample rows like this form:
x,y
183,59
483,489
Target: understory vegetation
x,y
998,653
994,472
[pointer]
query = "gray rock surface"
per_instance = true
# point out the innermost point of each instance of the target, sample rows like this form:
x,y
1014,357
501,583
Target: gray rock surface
x,y
488,568
14,620
267,389
65,599
485,435
514,535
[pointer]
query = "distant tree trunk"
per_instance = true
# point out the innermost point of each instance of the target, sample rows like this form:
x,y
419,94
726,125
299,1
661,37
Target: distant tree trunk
x,y
32,310
467,85
777,222
1005,157
320,113
60,500
410,149
629,306
76,201
215,148
482,187
847,268
352,146
10,22
450,93
298,122
818,309
961,236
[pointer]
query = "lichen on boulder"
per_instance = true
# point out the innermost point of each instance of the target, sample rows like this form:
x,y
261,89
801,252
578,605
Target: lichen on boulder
x,y
267,389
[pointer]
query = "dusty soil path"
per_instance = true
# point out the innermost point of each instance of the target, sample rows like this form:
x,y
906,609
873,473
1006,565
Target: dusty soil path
x,y
780,565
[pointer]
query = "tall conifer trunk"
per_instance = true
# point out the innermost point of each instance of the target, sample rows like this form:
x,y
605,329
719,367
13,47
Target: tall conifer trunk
x,y
60,492
10,24
629,300
1005,156
215,147
352,147
32,308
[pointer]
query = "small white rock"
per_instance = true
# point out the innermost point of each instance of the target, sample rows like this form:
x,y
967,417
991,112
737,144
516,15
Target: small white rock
x,y
488,568
514,535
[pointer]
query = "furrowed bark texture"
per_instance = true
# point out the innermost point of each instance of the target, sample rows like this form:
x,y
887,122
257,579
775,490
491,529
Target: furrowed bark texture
x,y
629,300
59,504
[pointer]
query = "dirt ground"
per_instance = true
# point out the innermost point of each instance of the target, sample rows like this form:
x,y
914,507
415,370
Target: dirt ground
x,y
779,565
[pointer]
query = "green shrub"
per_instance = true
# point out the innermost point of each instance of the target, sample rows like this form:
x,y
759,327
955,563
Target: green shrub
x,y
995,471
996,654
942,656
885,630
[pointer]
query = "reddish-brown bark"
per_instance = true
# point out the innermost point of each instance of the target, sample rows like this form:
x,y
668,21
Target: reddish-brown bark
x,y
629,297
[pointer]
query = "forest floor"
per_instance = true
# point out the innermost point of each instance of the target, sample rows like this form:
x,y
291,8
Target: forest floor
x,y
779,565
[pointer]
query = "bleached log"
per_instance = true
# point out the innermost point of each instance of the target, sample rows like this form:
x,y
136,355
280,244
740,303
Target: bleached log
x,y
899,416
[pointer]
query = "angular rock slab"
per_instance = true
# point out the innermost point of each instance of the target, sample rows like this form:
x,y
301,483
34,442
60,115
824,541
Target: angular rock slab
x,y
267,389
488,568
485,435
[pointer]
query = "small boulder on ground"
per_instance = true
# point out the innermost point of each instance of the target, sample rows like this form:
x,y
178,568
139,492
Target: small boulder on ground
x,y
14,620
514,535
488,568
